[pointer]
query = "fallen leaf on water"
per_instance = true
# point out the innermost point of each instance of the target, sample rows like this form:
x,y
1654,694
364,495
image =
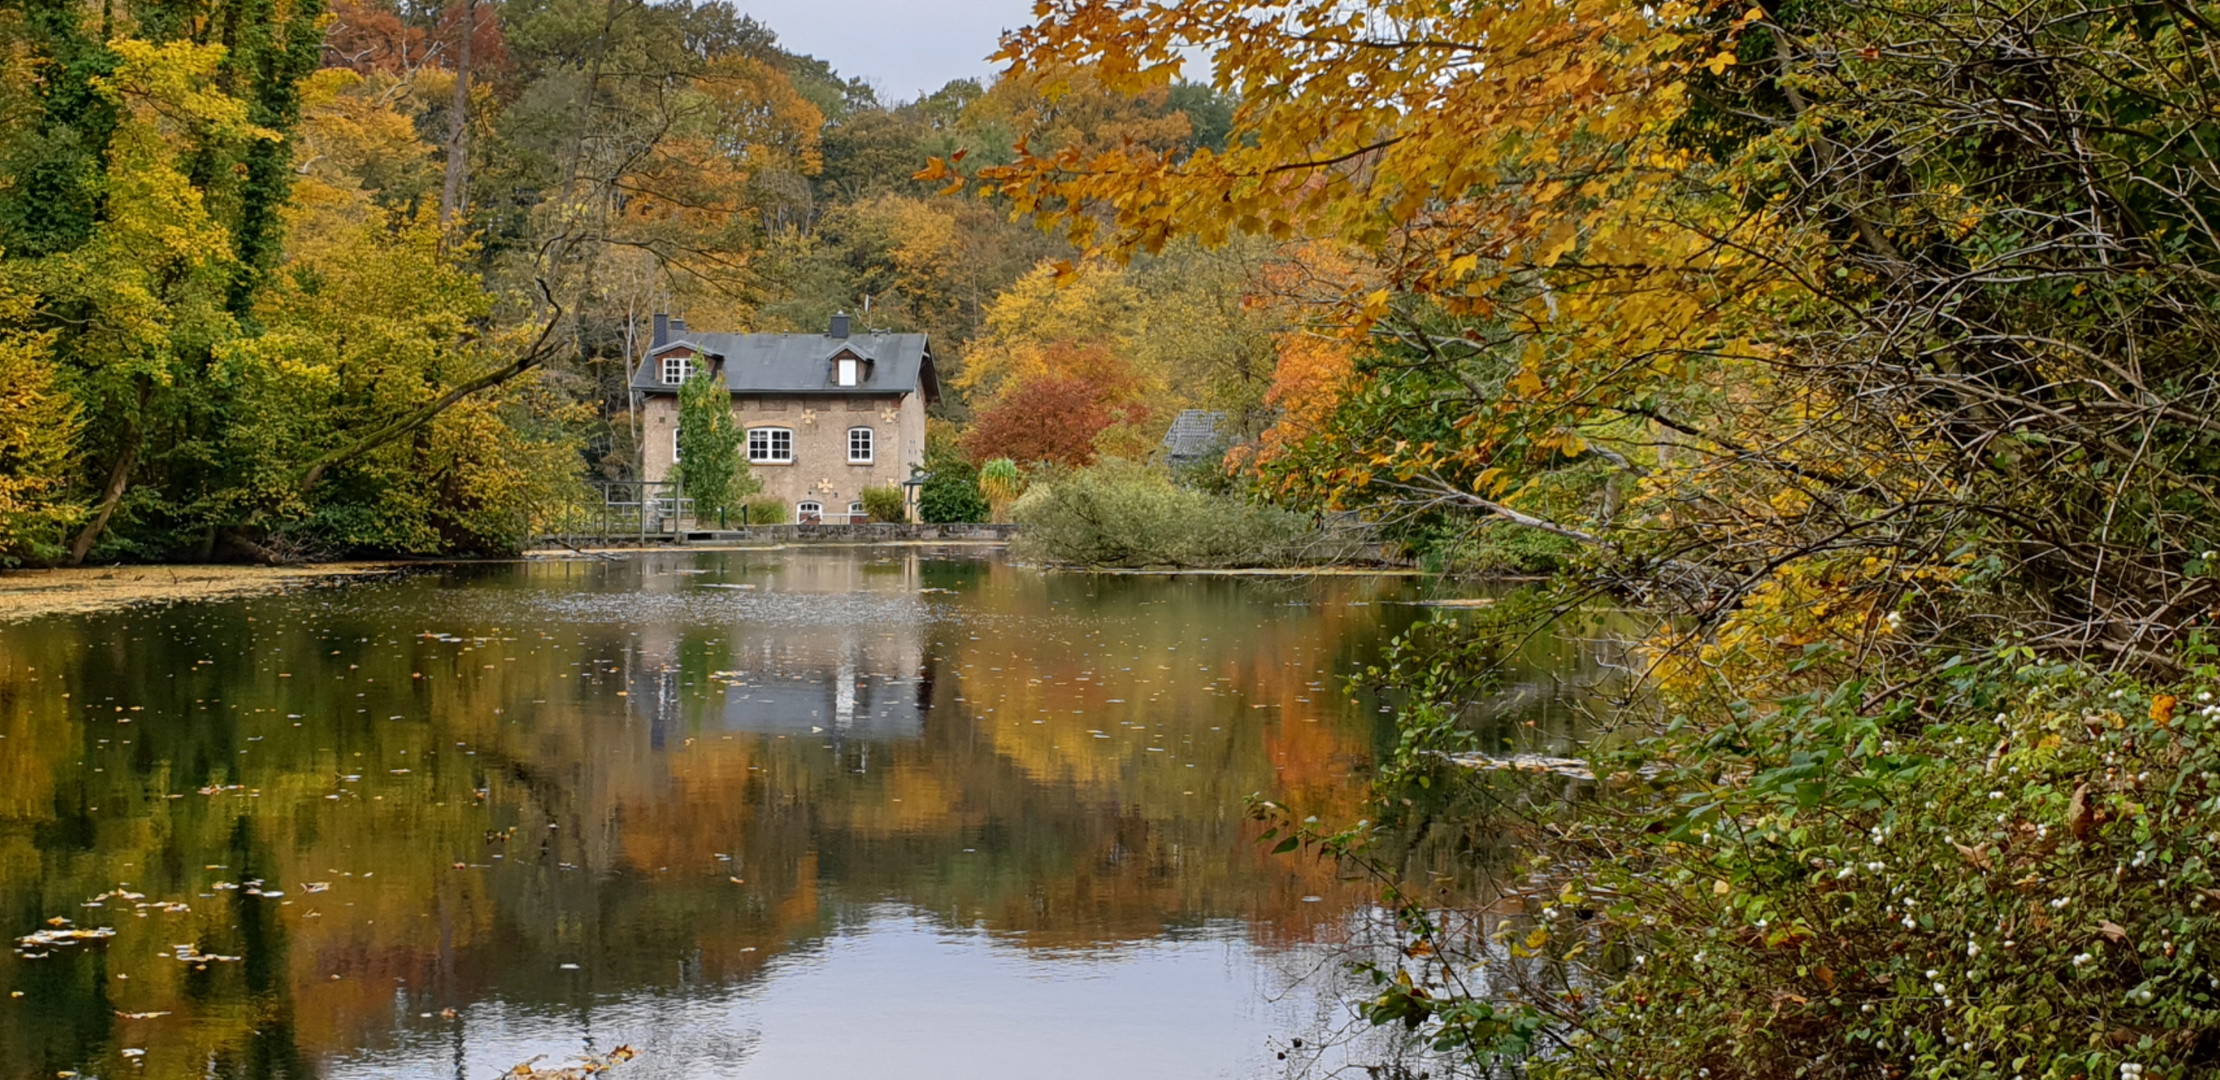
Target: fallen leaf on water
x,y
63,937
580,1067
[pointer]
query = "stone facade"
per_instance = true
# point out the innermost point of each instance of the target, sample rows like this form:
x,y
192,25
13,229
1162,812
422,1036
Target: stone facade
x,y
820,472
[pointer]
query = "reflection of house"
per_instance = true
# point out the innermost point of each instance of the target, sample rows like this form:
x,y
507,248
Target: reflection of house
x,y
843,699
1193,435
822,646
825,415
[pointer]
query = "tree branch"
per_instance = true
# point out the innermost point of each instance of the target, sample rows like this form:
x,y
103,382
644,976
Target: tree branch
x,y
531,358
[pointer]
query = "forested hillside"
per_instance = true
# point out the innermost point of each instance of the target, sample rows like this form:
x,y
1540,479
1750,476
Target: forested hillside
x,y
281,281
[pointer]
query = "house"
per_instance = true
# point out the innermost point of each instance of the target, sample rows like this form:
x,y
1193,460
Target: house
x,y
824,415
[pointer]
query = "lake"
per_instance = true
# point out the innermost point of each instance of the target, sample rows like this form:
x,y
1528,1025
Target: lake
x,y
826,812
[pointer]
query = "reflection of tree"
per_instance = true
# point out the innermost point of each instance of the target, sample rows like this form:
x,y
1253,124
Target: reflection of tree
x,y
518,815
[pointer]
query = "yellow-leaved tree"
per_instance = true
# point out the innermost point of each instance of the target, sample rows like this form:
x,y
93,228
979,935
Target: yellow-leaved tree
x,y
150,287
39,424
1094,305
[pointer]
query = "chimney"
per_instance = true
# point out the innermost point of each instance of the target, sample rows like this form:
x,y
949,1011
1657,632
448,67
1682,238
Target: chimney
x,y
839,326
662,331
678,327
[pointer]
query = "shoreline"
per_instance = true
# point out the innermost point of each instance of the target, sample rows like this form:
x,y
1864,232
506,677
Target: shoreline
x,y
32,593
1246,571
85,590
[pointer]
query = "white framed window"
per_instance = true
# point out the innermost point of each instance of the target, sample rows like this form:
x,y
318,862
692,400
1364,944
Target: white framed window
x,y
677,369
771,446
861,442
809,513
676,442
855,509
847,371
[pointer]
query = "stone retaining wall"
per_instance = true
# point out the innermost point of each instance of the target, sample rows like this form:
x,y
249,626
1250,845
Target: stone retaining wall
x,y
875,532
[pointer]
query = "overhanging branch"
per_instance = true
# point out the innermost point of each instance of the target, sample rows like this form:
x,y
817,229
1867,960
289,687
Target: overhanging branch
x,y
542,348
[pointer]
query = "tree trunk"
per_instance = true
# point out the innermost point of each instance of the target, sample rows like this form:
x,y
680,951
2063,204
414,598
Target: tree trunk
x,y
119,479
452,191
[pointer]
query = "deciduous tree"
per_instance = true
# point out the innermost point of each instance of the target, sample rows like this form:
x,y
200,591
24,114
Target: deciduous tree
x,y
710,469
1082,402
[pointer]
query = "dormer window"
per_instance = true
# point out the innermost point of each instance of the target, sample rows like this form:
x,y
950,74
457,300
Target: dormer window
x,y
677,369
847,370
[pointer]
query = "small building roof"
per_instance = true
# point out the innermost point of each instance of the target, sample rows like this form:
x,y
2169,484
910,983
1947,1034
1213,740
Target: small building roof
x,y
801,363
1193,433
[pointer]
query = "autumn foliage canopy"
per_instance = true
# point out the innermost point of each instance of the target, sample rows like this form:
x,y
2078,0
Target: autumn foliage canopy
x,y
1061,413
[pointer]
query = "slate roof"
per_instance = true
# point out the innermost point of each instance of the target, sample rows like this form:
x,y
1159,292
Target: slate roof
x,y
1193,433
803,363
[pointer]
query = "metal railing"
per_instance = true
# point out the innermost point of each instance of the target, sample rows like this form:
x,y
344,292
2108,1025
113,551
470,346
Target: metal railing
x,y
613,511
635,512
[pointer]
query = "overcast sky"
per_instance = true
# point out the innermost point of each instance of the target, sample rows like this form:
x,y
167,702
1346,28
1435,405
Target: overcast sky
x,y
902,47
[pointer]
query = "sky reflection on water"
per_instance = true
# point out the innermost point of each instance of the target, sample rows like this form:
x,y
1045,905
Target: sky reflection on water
x,y
902,994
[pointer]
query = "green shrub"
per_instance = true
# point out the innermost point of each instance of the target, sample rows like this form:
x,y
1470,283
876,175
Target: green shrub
x,y
1208,472
1491,548
765,511
2006,871
1119,514
885,503
950,493
951,496
2015,880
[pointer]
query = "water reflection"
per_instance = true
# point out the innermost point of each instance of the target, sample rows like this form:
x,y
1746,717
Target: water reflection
x,y
436,825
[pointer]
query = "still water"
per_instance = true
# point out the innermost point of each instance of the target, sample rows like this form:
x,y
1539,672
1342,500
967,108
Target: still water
x,y
836,812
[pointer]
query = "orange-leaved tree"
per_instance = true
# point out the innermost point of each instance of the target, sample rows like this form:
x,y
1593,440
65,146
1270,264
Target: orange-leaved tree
x,y
1509,171
1080,404
1744,262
